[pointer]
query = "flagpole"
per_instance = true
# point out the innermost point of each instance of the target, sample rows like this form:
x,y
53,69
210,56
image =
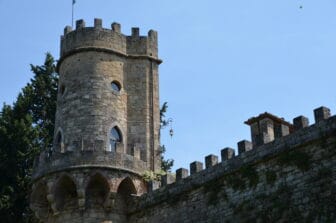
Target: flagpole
x,y
72,18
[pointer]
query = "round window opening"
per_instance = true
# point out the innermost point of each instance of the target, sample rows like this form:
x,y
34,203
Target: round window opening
x,y
115,86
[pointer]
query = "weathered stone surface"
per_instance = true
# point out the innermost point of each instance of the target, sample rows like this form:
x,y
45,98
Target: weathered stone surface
x,y
267,127
181,173
107,81
321,114
167,179
244,146
87,106
98,23
211,160
195,167
153,185
287,176
291,179
227,153
300,122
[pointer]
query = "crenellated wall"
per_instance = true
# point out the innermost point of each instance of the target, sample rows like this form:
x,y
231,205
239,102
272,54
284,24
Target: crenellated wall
x,y
107,136
289,179
109,40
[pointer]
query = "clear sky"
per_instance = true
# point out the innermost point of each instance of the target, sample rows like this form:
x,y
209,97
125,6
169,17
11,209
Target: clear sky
x,y
224,61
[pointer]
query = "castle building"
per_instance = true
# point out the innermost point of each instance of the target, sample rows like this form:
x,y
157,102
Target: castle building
x,y
107,135
107,125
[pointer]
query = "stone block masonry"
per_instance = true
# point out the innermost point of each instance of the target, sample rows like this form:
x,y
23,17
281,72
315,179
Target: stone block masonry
x,y
290,179
107,137
93,58
106,129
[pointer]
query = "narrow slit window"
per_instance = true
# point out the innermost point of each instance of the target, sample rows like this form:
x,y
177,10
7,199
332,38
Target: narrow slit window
x,y
59,142
62,90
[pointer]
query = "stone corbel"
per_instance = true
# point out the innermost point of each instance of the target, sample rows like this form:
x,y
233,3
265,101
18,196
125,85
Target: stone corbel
x,y
110,201
81,198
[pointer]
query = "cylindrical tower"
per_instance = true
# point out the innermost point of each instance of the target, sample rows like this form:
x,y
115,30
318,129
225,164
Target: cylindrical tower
x,y
106,129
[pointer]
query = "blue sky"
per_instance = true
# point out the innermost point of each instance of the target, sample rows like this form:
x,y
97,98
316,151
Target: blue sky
x,y
224,61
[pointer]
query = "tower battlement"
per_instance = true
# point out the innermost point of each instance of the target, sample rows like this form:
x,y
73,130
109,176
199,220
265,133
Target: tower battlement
x,y
110,40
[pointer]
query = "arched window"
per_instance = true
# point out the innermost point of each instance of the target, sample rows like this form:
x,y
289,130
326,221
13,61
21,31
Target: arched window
x,y
59,142
115,138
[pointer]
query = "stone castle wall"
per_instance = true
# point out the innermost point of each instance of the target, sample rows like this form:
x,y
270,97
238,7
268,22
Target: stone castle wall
x,y
291,179
88,108
90,195
286,174
108,81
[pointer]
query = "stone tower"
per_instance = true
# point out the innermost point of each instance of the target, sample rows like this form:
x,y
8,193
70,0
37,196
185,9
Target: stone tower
x,y
106,129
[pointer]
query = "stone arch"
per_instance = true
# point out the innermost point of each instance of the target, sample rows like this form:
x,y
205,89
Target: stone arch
x,y
126,187
39,202
65,193
97,191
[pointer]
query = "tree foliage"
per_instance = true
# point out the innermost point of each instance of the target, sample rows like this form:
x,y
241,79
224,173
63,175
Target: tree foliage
x,y
166,164
26,128
163,110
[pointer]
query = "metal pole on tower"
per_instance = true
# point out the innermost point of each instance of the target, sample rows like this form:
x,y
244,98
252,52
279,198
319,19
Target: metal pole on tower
x,y
72,18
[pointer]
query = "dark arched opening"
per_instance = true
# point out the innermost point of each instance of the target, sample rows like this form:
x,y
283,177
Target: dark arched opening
x,y
97,191
126,187
66,194
39,202
125,190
